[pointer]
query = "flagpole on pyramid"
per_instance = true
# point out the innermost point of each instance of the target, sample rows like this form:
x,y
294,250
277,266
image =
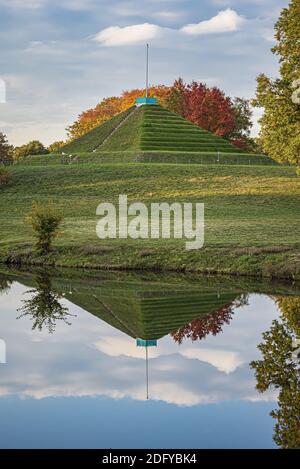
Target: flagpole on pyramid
x,y
147,71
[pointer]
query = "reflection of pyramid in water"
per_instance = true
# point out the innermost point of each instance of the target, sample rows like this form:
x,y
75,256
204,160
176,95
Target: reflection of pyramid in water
x,y
150,314
143,310
144,307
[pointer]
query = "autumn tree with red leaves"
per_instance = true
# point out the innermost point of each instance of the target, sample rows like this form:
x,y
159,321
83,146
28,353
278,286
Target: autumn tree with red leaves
x,y
211,323
209,108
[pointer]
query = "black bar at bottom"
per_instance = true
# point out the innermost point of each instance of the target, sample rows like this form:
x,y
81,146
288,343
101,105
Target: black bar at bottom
x,y
136,458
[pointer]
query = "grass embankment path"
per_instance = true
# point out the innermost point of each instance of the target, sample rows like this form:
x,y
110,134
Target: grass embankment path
x,y
252,216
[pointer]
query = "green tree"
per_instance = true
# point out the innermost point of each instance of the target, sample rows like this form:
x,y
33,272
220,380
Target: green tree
x,y
240,135
175,97
5,150
290,308
32,148
56,146
243,116
280,123
45,221
277,369
44,307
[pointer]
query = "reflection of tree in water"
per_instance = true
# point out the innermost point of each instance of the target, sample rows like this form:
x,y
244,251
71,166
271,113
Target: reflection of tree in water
x,y
5,285
211,323
44,308
279,370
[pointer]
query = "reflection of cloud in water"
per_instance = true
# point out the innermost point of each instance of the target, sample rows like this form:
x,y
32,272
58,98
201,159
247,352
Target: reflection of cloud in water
x,y
221,359
124,346
91,358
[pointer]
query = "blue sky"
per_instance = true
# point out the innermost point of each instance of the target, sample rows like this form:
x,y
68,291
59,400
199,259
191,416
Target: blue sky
x,y
59,58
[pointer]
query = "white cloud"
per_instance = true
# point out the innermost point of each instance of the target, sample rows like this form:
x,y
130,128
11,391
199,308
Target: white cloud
x,y
224,22
116,36
180,395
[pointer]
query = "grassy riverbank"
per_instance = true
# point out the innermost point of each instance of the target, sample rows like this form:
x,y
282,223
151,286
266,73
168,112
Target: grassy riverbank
x,y
251,212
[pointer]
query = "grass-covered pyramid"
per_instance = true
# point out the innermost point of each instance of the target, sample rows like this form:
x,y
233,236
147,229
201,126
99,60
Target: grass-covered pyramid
x,y
150,128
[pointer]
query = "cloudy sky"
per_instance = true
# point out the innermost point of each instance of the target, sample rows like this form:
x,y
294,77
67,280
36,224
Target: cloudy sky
x,y
59,58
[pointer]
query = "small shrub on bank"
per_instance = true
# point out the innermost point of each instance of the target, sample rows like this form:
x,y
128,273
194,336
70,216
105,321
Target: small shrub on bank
x,y
45,221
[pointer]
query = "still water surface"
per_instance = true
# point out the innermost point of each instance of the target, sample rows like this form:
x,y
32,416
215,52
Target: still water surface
x,y
110,360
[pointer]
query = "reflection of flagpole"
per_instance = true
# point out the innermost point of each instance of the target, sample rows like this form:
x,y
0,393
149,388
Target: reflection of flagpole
x,y
146,343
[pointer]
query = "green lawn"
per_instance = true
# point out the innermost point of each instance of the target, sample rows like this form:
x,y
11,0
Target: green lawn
x,y
252,216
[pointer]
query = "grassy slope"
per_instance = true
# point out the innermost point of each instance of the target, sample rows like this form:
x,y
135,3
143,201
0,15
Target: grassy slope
x,y
127,137
91,140
165,131
252,216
